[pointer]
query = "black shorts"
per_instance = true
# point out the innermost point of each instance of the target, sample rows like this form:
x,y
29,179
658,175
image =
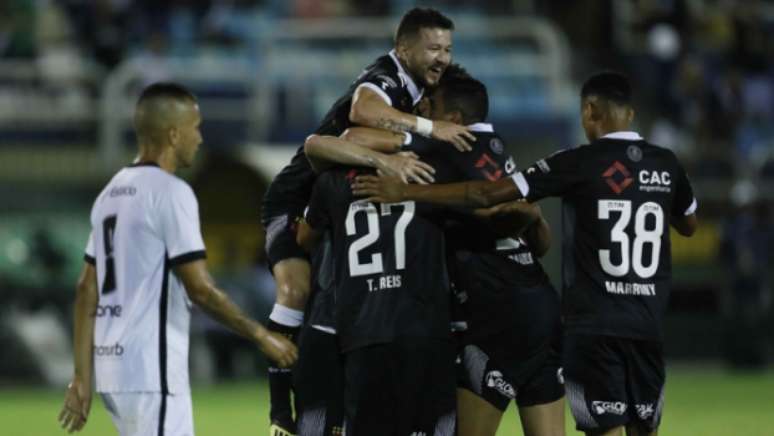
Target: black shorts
x,y
400,388
490,369
614,381
318,380
281,238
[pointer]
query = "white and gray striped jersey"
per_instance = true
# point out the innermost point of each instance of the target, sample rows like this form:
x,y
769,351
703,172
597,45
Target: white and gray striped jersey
x,y
143,223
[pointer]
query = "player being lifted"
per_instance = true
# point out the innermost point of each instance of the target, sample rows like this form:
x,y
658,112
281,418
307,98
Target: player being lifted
x,y
510,346
621,195
132,314
383,96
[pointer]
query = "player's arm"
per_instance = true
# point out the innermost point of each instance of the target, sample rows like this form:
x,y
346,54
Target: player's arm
x,y
307,237
78,396
325,151
202,291
478,194
380,140
519,219
538,237
685,225
370,109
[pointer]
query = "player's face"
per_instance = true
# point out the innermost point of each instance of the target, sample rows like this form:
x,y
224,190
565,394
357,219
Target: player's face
x,y
190,136
429,54
438,107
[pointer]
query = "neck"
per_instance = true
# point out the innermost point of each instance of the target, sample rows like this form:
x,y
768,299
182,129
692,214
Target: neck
x,y
164,157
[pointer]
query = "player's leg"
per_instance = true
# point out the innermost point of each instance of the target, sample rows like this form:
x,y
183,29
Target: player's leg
x,y
476,416
646,380
318,378
292,274
371,392
541,399
595,381
543,419
438,387
483,393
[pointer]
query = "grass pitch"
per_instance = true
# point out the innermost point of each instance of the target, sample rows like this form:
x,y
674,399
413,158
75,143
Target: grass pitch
x,y
700,401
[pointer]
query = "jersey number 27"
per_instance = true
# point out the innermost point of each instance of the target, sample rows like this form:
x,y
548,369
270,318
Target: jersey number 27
x,y
375,264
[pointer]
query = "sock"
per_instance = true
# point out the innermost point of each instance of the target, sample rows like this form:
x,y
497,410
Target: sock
x,y
286,322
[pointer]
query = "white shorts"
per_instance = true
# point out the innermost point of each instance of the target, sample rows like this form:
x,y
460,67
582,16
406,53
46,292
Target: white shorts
x,y
150,413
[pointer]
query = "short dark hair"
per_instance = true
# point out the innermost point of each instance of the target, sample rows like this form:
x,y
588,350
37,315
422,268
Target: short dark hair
x,y
464,93
609,85
167,90
418,18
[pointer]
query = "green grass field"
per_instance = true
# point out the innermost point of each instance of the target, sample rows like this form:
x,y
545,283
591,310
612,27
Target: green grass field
x,y
699,401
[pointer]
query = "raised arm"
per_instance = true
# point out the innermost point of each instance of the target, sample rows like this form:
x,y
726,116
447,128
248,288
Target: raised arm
x,y
325,151
371,110
77,402
467,194
202,291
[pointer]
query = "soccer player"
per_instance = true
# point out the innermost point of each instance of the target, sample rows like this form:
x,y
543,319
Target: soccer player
x,y
509,348
383,96
621,194
144,265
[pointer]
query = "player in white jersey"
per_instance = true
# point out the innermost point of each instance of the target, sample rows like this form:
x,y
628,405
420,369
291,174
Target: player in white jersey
x,y
132,314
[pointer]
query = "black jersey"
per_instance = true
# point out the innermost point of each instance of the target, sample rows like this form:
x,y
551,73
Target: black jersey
x,y
390,277
291,188
319,311
619,194
498,275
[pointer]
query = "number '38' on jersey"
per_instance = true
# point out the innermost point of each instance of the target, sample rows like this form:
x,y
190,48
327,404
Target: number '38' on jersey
x,y
619,195
144,222
391,281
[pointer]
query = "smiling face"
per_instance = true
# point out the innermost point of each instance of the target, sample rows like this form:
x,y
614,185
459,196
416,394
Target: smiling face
x,y
427,55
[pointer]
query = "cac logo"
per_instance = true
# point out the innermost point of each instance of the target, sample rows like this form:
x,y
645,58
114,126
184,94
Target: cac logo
x,y
494,380
614,407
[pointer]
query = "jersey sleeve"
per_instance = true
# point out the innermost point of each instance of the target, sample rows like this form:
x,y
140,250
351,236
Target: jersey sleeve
x,y
90,255
317,213
684,202
549,177
180,225
388,86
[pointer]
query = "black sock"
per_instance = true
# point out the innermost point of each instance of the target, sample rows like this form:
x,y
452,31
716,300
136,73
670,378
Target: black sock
x,y
280,381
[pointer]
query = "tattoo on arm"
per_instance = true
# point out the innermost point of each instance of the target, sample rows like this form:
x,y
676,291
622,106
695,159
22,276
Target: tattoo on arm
x,y
393,125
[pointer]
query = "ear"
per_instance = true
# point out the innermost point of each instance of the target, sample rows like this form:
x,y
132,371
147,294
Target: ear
x,y
455,117
630,114
173,135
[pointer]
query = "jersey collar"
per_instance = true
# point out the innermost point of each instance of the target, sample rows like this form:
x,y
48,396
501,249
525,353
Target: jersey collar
x,y
144,164
415,91
625,136
481,127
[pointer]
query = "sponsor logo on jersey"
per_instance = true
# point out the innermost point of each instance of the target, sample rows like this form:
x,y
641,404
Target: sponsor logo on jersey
x,y
634,153
489,167
614,407
510,165
618,177
494,380
118,191
116,350
655,181
113,311
645,411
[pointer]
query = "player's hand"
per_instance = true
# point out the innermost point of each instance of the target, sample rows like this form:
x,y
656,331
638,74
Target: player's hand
x,y
77,404
381,189
407,167
457,135
510,218
279,349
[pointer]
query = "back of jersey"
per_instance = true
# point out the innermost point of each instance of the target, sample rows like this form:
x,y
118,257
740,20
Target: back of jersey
x,y
620,194
144,222
391,281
